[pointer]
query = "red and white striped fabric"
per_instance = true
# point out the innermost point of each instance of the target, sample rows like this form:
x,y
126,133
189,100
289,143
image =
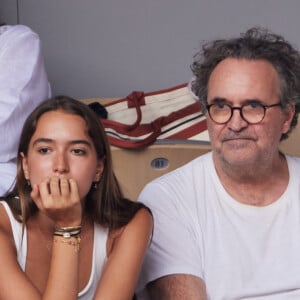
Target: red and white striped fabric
x,y
142,118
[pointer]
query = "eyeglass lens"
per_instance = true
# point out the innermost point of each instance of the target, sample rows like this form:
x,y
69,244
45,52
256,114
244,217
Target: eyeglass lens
x,y
251,113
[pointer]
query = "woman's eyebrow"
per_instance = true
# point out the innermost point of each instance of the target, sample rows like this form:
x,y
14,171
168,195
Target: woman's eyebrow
x,y
72,142
42,140
84,142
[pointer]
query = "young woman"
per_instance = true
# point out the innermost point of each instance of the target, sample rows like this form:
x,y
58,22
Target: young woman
x,y
66,231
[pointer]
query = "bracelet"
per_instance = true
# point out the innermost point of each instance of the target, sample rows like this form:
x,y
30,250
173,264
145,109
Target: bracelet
x,y
74,242
68,229
67,235
67,232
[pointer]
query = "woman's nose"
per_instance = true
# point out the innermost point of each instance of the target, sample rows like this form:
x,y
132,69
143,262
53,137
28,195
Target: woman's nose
x,y
60,164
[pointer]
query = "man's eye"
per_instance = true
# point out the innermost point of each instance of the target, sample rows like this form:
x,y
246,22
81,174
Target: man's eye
x,y
220,105
254,105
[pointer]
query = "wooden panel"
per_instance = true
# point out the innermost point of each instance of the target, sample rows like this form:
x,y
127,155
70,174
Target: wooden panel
x,y
292,144
135,168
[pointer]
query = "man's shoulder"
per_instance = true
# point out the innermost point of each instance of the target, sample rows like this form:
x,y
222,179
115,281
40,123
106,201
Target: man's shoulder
x,y
181,182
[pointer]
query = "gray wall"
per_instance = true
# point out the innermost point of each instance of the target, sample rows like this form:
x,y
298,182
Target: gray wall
x,y
9,11
107,48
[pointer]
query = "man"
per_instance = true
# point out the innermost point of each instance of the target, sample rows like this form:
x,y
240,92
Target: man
x,y
227,225
23,85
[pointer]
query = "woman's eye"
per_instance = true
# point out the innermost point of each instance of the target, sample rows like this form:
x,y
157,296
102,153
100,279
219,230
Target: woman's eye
x,y
79,151
44,150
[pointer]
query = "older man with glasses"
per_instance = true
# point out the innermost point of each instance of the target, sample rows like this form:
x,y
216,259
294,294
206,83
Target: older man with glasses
x,y
227,225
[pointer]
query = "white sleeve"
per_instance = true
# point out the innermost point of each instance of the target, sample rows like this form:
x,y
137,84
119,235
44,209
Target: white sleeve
x,y
23,85
175,248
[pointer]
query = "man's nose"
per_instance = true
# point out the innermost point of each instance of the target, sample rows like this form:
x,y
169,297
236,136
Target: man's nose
x,y
236,122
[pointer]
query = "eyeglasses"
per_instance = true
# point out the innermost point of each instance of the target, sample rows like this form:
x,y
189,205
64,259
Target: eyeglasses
x,y
252,113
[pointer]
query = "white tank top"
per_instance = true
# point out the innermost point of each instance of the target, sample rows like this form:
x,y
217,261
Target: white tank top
x,y
100,238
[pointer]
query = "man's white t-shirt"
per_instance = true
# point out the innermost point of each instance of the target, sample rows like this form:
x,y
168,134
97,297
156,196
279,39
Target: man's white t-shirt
x,y
240,251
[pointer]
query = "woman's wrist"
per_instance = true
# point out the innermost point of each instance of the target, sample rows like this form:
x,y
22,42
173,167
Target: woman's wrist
x,y
67,232
68,236
71,241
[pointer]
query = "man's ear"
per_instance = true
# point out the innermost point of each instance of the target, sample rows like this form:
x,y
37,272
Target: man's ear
x,y
25,165
288,117
99,170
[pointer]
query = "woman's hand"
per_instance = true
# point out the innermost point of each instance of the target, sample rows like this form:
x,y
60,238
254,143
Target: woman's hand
x,y
58,198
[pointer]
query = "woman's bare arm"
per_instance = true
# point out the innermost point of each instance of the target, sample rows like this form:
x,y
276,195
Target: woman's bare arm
x,y
62,282
15,285
13,282
124,263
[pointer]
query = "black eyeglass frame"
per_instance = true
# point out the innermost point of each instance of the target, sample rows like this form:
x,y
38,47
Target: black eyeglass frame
x,y
240,108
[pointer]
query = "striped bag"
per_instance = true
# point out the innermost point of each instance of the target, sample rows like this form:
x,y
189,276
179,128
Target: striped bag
x,y
141,118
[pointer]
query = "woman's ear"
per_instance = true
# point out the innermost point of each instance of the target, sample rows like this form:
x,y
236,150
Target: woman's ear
x,y
24,165
99,170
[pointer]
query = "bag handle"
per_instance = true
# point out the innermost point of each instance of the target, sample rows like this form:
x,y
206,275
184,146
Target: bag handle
x,y
154,129
134,100
130,144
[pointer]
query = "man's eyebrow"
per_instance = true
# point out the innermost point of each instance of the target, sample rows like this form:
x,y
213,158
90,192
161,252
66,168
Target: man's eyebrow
x,y
218,100
254,100
222,100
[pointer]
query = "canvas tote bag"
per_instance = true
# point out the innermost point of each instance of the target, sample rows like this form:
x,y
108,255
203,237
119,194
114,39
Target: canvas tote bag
x,y
142,118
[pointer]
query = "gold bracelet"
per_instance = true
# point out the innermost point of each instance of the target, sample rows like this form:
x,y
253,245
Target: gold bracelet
x,y
75,242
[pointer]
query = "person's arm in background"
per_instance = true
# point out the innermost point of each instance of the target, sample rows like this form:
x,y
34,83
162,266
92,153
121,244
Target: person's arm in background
x,y
23,85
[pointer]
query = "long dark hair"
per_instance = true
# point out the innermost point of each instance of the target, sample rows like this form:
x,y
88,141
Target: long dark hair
x,y
105,204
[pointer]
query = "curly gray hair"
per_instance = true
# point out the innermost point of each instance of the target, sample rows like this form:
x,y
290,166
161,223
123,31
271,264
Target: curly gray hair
x,y
255,43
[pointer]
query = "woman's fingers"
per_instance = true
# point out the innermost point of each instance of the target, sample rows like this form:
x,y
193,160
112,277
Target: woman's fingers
x,y
56,193
64,187
54,187
74,190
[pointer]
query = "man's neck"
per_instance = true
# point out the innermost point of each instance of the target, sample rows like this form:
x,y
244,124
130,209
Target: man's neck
x,y
255,184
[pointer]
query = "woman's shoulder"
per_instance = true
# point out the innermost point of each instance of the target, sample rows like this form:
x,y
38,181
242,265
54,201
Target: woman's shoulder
x,y
5,217
143,217
138,228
